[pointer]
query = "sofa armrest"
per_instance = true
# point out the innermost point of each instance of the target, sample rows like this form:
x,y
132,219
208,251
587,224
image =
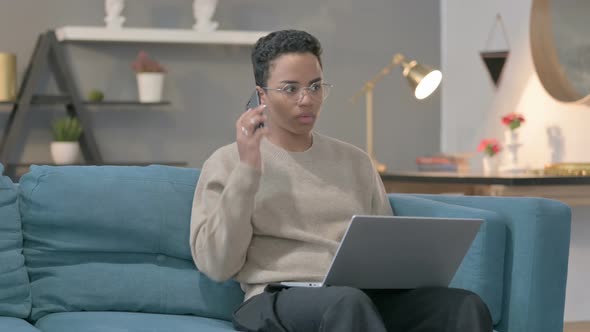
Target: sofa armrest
x,y
482,268
536,262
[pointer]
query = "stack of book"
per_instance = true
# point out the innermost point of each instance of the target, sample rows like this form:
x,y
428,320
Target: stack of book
x,y
442,163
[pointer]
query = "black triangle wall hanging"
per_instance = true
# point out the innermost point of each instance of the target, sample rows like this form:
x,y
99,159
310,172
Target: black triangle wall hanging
x,y
495,57
495,61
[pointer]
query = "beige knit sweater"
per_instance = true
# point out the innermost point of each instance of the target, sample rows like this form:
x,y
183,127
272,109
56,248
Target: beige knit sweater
x,y
284,223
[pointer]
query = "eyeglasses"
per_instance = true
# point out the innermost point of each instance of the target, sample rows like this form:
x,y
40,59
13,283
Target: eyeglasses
x,y
316,91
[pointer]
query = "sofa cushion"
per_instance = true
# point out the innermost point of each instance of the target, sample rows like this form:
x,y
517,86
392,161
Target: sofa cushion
x,y
115,238
16,325
15,294
482,269
129,322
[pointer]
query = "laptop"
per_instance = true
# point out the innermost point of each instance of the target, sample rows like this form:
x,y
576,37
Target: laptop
x,y
397,252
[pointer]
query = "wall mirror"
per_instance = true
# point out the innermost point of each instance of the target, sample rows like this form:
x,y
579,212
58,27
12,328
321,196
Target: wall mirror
x,y
560,46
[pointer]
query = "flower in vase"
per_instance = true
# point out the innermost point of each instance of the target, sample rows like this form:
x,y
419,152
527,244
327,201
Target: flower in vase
x,y
489,146
513,120
144,64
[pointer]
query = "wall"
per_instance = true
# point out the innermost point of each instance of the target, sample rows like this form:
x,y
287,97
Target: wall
x,y
209,85
472,108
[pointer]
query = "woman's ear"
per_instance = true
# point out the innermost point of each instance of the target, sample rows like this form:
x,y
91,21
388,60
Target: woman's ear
x,y
262,94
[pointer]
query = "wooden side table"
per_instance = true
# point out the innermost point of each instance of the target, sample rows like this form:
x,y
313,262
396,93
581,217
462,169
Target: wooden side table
x,y
572,190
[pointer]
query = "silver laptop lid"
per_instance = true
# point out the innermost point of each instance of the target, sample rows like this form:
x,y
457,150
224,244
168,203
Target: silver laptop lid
x,y
395,252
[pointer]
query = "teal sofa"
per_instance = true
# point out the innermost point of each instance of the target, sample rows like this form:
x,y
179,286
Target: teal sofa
x,y
105,248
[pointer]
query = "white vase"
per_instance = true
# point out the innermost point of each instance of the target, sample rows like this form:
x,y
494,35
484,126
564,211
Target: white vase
x,y
490,165
64,153
150,86
512,145
511,137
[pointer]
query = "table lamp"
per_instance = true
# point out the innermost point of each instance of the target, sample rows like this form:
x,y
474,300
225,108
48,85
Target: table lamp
x,y
422,79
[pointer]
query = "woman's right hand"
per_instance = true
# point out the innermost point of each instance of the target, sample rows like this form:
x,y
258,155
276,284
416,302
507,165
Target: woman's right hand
x,y
248,137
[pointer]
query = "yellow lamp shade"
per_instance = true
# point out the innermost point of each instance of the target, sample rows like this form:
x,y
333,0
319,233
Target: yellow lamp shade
x,y
423,79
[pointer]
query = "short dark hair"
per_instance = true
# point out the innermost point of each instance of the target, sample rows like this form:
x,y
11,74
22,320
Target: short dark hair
x,y
278,43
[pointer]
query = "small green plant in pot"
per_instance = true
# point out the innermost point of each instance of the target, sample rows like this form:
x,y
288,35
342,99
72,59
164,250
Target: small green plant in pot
x,y
65,148
95,95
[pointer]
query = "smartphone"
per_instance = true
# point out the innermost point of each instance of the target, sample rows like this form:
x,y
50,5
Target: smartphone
x,y
253,102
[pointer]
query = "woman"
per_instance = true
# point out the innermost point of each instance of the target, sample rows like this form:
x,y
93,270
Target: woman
x,y
273,206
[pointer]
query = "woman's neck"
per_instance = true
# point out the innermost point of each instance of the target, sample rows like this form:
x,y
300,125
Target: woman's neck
x,y
291,142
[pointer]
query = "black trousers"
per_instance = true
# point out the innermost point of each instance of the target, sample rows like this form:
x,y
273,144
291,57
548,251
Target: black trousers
x,y
345,309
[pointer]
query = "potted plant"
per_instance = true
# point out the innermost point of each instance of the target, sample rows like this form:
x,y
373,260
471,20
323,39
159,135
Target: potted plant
x,y
490,148
150,78
95,95
512,121
65,148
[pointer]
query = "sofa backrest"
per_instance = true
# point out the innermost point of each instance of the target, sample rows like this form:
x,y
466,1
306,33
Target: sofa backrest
x,y
15,294
115,238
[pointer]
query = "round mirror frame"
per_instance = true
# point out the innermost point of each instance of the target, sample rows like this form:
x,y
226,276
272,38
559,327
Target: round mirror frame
x,y
545,59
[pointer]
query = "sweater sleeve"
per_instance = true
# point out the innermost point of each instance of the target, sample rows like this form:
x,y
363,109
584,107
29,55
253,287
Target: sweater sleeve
x,y
221,229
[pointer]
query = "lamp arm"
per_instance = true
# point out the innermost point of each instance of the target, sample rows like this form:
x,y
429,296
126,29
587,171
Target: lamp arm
x,y
397,59
367,90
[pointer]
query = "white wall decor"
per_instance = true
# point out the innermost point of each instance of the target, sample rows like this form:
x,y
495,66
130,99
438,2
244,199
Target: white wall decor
x,y
203,11
494,56
113,9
